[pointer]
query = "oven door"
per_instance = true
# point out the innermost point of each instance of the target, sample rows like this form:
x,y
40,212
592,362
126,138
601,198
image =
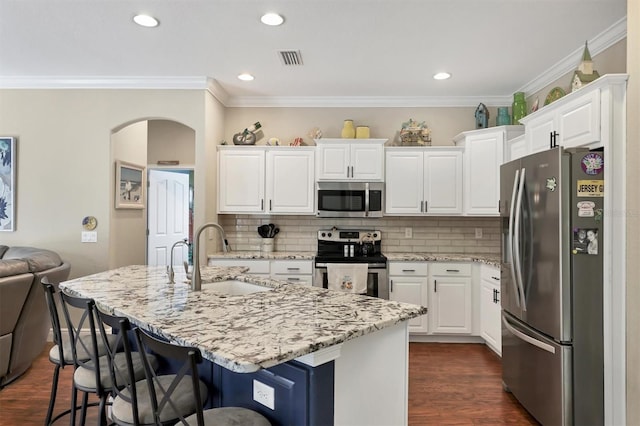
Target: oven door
x,y
349,199
377,279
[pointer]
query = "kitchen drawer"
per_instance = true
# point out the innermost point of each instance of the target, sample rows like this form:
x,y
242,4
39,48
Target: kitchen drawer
x,y
294,279
418,269
292,267
451,269
255,266
490,273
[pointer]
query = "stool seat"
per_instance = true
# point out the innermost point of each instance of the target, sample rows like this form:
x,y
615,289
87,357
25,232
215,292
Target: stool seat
x,y
230,416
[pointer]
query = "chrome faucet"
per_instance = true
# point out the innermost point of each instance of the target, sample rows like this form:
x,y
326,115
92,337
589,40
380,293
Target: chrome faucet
x,y
170,271
196,283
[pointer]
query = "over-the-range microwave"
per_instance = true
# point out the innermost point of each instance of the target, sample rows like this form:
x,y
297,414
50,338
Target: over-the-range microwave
x,y
349,199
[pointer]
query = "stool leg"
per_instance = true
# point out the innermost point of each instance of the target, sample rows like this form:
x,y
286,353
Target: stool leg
x,y
54,391
74,397
83,413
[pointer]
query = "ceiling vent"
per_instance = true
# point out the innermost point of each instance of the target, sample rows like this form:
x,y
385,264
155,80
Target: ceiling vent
x,y
290,57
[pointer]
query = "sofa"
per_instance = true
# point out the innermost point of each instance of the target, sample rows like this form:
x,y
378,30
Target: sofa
x,y
24,317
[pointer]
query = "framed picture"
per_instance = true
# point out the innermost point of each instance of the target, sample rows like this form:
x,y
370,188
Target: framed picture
x,y
130,185
7,183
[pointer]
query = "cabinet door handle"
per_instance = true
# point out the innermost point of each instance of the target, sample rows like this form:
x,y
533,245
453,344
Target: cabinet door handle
x,y
262,204
408,270
391,286
426,206
497,293
421,206
270,208
352,175
435,286
453,270
494,295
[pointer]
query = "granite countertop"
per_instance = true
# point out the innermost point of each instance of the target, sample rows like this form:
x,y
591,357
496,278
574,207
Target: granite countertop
x,y
277,255
492,260
241,333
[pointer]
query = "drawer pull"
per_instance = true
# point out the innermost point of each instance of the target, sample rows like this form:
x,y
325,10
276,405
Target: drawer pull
x,y
453,270
293,279
408,270
293,269
496,278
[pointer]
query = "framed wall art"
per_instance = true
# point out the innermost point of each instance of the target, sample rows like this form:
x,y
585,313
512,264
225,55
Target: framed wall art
x,y
130,186
7,183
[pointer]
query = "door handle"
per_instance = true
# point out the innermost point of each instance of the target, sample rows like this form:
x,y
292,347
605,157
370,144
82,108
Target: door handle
x,y
421,206
391,286
293,269
426,206
453,270
270,208
497,294
408,270
537,343
262,204
435,286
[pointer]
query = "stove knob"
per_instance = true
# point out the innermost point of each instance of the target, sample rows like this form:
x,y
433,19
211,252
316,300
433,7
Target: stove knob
x,y
329,234
375,235
323,234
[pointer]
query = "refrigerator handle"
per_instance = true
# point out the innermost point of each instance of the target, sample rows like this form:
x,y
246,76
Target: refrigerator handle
x,y
519,334
516,242
510,235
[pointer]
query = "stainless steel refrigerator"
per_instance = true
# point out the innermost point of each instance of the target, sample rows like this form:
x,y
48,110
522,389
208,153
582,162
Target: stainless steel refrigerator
x,y
551,281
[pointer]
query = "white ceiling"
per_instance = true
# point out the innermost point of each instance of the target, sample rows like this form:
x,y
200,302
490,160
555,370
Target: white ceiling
x,y
353,51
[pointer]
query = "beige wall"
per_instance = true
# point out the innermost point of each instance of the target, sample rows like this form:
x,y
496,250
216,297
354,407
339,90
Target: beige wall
x,y
127,231
384,123
633,216
169,140
65,167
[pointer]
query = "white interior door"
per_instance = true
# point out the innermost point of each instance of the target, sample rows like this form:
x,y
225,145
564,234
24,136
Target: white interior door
x,y
168,221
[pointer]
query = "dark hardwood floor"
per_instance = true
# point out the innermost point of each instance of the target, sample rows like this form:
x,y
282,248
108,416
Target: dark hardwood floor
x,y
449,384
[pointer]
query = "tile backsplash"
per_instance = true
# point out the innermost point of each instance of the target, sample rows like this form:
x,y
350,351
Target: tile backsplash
x,y
443,235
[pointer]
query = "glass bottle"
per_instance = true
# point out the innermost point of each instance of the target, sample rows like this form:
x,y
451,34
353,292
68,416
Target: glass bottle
x,y
519,107
348,131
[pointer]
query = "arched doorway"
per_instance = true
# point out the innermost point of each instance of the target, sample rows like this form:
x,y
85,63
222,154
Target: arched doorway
x,y
160,145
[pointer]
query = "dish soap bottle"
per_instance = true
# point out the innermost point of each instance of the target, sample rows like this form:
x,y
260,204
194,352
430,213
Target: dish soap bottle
x,y
348,131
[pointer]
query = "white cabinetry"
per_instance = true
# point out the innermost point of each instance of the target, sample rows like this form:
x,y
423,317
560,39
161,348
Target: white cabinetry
x,y
583,118
266,180
490,310
293,271
450,298
425,181
350,159
484,152
408,283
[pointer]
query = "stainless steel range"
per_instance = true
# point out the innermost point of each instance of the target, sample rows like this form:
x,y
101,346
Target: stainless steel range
x,y
353,246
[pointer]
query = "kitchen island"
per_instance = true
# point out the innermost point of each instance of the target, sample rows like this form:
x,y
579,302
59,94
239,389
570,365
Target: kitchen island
x,y
338,352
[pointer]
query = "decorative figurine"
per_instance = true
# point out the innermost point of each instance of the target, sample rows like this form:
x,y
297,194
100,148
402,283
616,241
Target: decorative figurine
x,y
482,117
585,73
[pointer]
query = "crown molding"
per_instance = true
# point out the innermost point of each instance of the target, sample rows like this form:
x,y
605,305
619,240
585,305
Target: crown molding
x,y
218,91
366,101
599,43
103,82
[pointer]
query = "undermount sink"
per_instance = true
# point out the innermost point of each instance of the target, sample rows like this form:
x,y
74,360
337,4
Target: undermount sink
x,y
236,288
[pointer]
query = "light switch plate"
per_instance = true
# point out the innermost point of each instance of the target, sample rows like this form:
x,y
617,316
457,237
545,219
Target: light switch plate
x,y
264,394
408,232
89,237
478,233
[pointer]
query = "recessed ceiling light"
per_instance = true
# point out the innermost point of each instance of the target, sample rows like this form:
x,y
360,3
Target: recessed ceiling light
x,y
271,19
441,76
245,77
145,21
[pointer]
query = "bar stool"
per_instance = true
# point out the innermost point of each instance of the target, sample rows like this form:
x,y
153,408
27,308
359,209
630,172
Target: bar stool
x,y
62,354
176,398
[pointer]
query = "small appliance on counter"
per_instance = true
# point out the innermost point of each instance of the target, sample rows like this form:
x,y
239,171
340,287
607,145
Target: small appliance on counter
x,y
339,248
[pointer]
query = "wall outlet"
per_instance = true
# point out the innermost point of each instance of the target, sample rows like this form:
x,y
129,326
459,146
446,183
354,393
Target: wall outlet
x,y
89,237
264,394
478,233
408,232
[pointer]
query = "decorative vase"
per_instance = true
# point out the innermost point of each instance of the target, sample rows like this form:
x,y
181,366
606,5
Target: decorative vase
x,y
503,118
362,132
348,131
519,107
